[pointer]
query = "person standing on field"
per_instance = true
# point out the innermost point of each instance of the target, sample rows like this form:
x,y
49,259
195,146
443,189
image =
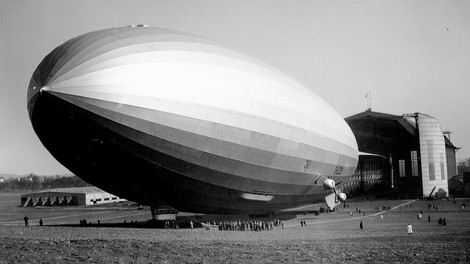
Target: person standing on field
x,y
26,223
410,229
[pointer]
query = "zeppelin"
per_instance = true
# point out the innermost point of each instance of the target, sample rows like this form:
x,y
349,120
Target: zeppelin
x,y
161,117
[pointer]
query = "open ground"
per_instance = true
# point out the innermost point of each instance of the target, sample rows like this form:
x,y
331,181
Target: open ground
x,y
327,238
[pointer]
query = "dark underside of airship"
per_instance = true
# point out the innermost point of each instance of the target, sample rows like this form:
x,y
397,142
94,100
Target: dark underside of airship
x,y
88,145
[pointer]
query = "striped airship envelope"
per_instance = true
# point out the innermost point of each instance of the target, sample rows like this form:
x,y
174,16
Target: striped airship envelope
x,y
221,131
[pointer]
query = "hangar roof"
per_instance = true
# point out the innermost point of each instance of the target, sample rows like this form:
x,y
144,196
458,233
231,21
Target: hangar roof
x,y
449,144
76,190
385,123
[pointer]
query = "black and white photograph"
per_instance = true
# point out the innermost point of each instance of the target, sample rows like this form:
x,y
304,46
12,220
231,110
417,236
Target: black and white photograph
x,y
223,131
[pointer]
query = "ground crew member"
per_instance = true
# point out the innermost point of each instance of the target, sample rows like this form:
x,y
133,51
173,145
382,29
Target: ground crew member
x,y
26,224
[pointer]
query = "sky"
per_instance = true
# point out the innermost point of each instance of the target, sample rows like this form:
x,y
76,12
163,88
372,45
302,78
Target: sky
x,y
413,56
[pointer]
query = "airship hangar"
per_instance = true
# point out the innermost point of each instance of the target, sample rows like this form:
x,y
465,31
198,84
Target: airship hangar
x,y
79,196
408,155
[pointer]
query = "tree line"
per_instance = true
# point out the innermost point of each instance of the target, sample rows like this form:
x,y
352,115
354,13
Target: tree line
x,y
36,182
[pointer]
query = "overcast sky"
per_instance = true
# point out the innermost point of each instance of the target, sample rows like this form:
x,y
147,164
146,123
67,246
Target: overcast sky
x,y
414,56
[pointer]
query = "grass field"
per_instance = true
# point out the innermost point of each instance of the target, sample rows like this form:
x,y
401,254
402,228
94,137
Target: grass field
x,y
327,238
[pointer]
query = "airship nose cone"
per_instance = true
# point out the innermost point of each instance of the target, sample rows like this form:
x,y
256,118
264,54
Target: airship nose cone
x,y
44,89
33,92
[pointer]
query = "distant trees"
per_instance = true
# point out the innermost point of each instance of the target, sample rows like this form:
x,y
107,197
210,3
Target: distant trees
x,y
463,166
36,182
464,162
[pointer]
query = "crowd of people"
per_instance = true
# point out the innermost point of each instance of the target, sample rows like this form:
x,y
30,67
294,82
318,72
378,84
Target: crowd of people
x,y
442,221
249,225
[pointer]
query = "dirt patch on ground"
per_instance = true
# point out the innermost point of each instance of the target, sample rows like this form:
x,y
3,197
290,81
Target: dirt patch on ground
x,y
311,244
442,249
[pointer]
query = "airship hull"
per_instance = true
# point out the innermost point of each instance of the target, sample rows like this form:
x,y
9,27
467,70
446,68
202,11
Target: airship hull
x,y
119,115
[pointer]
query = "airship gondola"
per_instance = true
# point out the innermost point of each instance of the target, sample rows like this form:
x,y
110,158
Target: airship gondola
x,y
161,117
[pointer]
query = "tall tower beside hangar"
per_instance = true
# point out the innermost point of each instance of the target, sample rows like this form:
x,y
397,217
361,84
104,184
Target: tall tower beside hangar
x,y
432,150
